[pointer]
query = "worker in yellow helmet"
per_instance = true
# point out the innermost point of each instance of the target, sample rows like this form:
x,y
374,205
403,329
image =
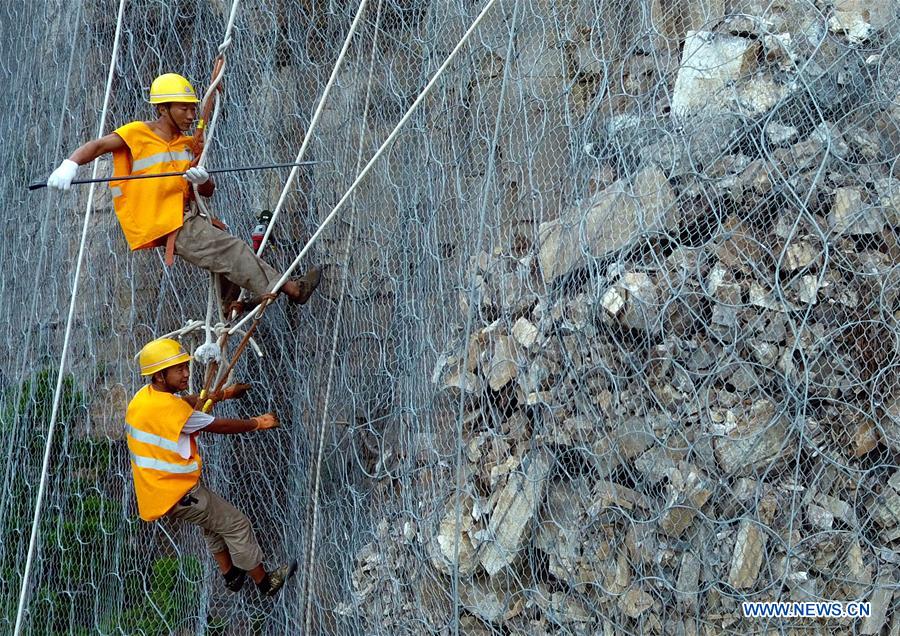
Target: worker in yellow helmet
x,y
161,431
155,212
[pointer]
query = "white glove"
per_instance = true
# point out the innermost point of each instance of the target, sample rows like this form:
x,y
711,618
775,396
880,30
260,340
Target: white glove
x,y
197,175
61,179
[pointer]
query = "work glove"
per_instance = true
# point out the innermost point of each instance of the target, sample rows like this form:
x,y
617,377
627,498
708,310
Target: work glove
x,y
197,175
265,422
61,178
232,392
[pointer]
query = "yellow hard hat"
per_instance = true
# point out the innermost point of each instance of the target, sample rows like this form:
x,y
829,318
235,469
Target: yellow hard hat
x,y
172,87
161,354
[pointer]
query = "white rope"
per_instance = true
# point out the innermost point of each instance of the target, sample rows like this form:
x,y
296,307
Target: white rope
x,y
381,150
211,92
189,327
219,330
209,350
210,129
35,523
317,479
312,125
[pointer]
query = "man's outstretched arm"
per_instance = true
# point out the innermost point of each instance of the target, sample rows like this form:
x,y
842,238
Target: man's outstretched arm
x,y
62,177
96,148
228,426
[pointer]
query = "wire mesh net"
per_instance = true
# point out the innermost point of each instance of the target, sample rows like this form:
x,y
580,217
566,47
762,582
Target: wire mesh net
x,y
606,342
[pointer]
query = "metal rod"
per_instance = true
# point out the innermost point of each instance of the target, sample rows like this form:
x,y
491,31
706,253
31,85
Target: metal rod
x,y
270,166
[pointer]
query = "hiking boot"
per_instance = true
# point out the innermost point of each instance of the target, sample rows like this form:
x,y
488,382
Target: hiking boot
x,y
308,284
276,579
234,579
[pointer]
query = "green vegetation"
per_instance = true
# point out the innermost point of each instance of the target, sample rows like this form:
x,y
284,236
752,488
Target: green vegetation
x,y
171,587
82,528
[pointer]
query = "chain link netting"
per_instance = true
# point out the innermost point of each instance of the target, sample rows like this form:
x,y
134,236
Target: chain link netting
x,y
607,342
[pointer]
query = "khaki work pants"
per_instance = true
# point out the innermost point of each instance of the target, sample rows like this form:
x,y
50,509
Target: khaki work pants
x,y
201,244
224,526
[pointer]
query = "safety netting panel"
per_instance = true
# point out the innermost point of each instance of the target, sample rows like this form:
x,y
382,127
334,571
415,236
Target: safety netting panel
x,y
606,341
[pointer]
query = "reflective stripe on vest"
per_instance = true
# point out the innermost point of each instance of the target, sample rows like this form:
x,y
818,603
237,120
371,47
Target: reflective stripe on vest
x,y
161,157
158,464
150,438
116,191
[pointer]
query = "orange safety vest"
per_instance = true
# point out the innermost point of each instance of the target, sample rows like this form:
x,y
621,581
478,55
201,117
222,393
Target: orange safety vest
x,y
154,420
149,209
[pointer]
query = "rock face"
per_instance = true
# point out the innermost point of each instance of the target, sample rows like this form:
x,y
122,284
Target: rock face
x,y
678,392
616,217
512,512
711,63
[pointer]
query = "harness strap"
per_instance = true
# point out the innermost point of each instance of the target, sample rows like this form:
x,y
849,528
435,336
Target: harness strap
x,y
170,247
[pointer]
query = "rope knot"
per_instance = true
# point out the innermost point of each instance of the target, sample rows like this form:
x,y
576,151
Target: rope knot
x,y
208,352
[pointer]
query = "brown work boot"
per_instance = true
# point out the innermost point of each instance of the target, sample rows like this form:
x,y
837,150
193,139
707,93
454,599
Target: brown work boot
x,y
306,286
276,579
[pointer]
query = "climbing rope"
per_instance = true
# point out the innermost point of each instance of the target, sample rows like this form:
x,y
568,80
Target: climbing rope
x,y
218,329
210,352
204,133
54,412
